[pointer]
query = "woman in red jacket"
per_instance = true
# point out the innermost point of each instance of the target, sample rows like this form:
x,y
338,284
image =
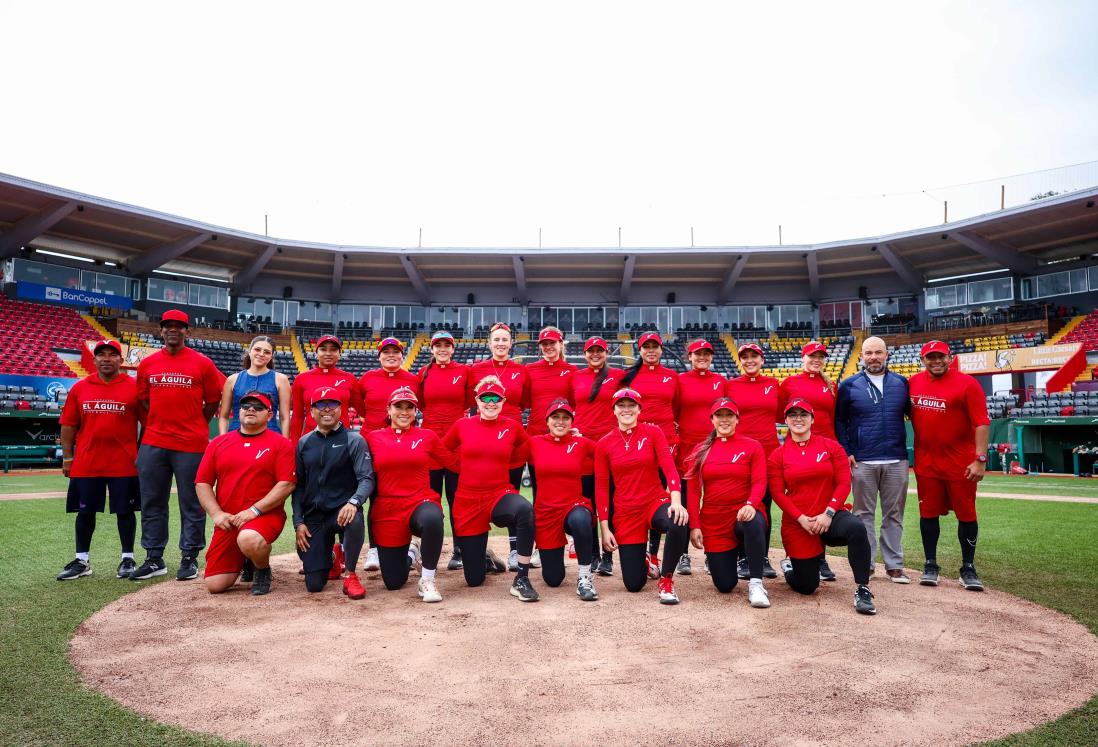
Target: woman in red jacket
x,y
562,460
548,380
404,504
633,455
729,470
488,445
443,401
698,389
809,478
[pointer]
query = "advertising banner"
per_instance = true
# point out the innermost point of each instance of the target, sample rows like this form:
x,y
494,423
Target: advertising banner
x,y
1016,360
51,386
71,296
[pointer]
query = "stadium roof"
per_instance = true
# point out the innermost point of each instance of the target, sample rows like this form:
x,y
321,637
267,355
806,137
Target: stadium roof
x,y
1019,239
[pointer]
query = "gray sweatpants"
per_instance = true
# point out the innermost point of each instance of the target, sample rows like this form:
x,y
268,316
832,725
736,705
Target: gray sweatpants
x,y
889,481
155,469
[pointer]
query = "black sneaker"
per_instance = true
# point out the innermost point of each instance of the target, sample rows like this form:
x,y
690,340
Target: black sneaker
x,y
863,601
768,570
968,579
585,589
261,583
455,563
523,589
151,568
605,566
492,563
188,568
826,574
247,573
76,569
126,568
930,574
742,570
683,568
787,567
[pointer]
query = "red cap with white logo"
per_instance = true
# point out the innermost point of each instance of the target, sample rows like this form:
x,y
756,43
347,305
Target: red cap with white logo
x,y
403,394
934,346
258,397
749,346
113,344
724,403
327,394
621,394
800,404
550,334
699,345
558,405
329,338
650,337
492,387
814,347
595,342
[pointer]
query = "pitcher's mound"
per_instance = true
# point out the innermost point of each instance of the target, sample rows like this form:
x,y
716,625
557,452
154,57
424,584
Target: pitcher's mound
x,y
935,666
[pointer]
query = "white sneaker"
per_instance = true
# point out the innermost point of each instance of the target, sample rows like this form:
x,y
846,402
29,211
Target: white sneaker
x,y
414,561
585,589
512,561
535,559
427,590
372,563
756,594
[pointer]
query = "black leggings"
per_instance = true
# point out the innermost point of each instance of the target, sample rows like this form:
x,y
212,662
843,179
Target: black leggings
x,y
653,535
846,529
578,524
750,538
587,483
425,523
514,476
511,511
317,560
445,479
85,527
634,564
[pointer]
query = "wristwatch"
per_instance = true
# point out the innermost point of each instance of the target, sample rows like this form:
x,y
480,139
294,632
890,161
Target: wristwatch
x,y
981,457
830,512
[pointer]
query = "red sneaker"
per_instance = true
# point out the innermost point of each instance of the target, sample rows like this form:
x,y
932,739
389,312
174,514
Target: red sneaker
x,y
352,587
667,591
571,551
653,566
337,562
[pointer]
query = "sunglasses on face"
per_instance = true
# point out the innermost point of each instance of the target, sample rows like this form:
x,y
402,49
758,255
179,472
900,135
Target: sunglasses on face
x,y
491,399
326,406
253,406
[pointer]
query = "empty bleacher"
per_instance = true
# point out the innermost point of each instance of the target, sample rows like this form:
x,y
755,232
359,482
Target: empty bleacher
x,y
32,331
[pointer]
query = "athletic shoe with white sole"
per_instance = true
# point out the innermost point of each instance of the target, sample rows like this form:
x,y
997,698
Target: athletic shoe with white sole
x,y
930,574
653,566
605,565
787,567
897,576
768,570
863,601
74,570
492,563
414,561
666,589
125,568
969,579
352,586
585,589
535,559
683,568
372,563
523,589
151,568
512,561
456,563
742,570
188,568
826,574
427,590
757,596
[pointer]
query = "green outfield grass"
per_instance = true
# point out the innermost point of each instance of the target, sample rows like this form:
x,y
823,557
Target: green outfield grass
x,y
46,704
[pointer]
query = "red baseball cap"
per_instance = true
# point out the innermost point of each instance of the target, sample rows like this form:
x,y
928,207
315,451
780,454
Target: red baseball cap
x,y
329,338
441,335
403,394
650,336
935,346
724,403
390,341
550,334
595,342
621,394
258,397
800,404
750,346
114,344
699,345
175,315
559,404
327,394
492,387
814,347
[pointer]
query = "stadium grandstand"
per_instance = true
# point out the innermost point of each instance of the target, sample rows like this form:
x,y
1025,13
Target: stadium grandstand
x,y
79,267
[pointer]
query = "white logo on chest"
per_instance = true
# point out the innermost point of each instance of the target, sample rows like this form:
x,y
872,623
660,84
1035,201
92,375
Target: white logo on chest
x,y
666,379
738,457
766,389
640,444
715,385
514,376
417,442
338,382
821,456
456,380
261,452
501,434
570,447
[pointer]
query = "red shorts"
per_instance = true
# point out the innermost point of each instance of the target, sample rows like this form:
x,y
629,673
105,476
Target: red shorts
x,y
224,555
631,524
939,497
549,522
390,519
799,544
718,526
473,512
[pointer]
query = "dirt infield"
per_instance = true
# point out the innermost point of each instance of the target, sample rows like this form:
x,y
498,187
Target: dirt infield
x,y
936,666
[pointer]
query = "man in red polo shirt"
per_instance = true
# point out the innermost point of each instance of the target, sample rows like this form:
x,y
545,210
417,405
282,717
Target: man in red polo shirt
x,y
181,390
99,431
949,417
252,469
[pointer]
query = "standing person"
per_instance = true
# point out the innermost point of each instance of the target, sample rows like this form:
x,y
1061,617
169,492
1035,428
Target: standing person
x,y
442,386
698,389
258,375
592,391
659,386
550,379
488,445
562,459
335,476
405,505
813,386
99,433
633,456
756,396
729,471
810,480
180,389
949,417
243,482
869,420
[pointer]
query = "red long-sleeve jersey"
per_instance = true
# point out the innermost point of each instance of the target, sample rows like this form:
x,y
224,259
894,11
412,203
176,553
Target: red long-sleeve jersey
x,y
808,479
301,419
697,390
487,450
559,464
633,459
403,460
658,387
376,386
443,395
757,397
595,419
811,388
547,382
515,382
734,474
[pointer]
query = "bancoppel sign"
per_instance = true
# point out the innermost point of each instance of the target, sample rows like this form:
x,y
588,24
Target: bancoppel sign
x,y
70,296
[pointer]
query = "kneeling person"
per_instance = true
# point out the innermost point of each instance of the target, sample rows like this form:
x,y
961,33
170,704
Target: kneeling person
x,y
242,482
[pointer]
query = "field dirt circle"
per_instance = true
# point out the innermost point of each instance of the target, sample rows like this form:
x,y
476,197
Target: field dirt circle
x,y
935,666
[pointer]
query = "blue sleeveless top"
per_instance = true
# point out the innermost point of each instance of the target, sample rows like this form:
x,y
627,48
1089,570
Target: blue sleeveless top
x,y
265,383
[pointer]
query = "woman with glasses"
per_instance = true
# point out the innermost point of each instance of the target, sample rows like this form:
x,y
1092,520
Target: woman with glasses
x,y
258,375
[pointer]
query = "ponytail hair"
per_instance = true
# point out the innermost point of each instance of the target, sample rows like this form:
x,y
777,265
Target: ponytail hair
x,y
631,373
600,377
698,456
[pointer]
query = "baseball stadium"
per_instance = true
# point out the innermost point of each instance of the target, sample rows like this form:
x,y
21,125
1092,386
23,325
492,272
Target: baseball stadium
x,y
91,656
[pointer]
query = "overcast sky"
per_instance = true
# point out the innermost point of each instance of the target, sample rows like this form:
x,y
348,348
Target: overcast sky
x,y
481,122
